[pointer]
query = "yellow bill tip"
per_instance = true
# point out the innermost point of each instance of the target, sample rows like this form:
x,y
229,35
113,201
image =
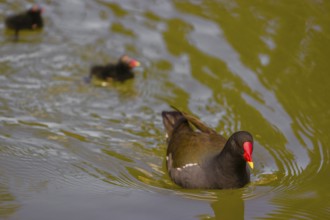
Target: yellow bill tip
x,y
251,164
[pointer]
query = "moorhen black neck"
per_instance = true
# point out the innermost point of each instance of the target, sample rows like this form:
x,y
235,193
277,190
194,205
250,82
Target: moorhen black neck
x,y
204,159
28,20
120,71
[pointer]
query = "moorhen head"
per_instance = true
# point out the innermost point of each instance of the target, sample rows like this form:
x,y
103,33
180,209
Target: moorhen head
x,y
28,20
120,71
198,157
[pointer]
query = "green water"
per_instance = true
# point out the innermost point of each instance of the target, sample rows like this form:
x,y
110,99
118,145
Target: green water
x,y
71,150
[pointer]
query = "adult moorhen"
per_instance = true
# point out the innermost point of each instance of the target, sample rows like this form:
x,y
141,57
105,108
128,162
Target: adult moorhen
x,y
204,159
28,20
120,71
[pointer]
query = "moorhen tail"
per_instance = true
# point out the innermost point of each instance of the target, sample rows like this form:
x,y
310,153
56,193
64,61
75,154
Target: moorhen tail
x,y
199,157
28,20
120,71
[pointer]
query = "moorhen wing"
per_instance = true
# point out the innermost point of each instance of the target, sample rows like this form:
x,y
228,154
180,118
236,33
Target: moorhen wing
x,y
120,71
199,157
28,20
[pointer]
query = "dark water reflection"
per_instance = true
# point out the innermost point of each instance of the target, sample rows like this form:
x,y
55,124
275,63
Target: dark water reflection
x,y
72,150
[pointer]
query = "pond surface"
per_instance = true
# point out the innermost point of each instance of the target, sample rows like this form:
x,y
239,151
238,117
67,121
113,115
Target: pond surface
x,y
72,150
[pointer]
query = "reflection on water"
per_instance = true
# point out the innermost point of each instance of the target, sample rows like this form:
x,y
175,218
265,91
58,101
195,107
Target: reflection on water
x,y
260,67
8,203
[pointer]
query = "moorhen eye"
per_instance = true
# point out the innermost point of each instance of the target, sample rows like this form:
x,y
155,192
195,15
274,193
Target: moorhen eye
x,y
199,157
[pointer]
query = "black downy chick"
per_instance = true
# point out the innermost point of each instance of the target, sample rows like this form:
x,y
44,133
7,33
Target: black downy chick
x,y
120,71
28,20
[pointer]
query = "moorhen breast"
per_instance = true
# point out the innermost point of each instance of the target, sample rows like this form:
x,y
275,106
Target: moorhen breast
x,y
120,71
28,20
198,157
